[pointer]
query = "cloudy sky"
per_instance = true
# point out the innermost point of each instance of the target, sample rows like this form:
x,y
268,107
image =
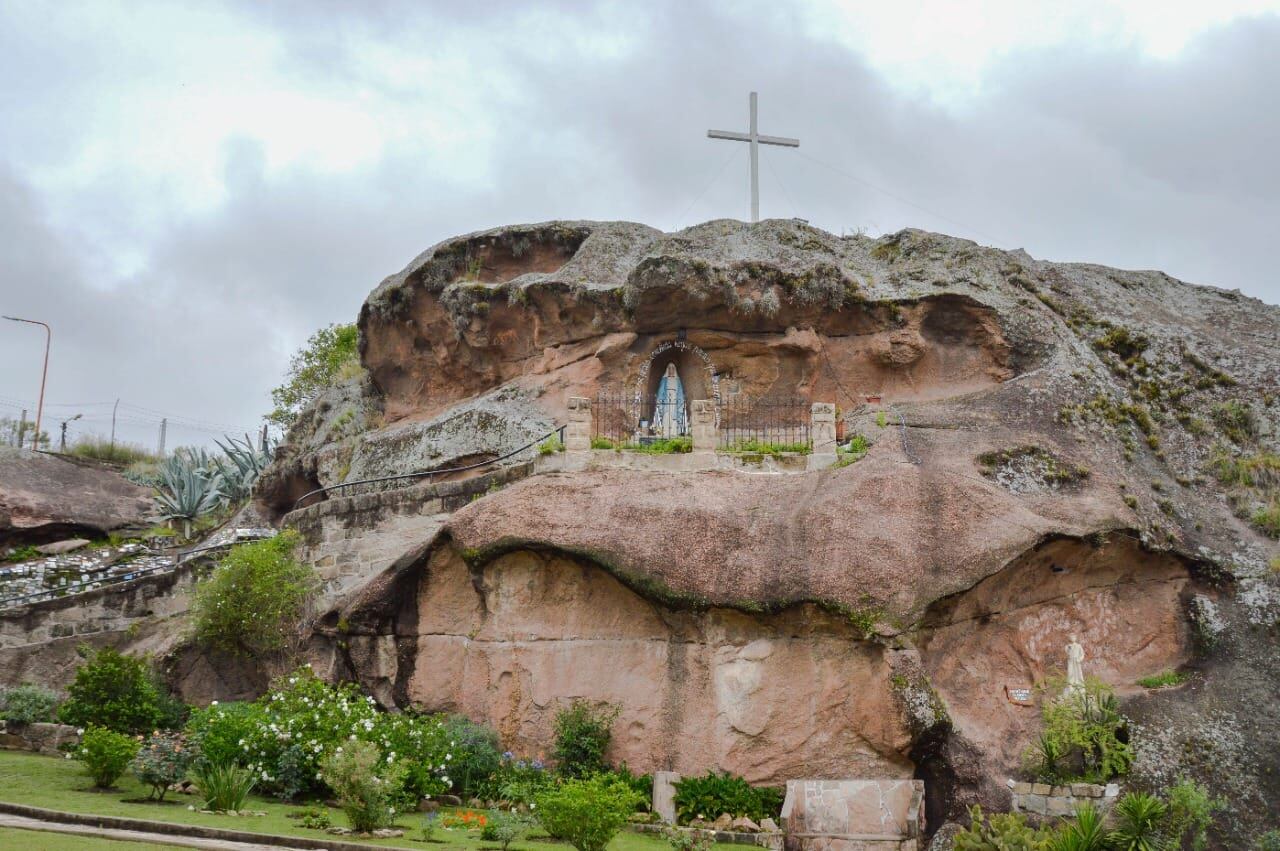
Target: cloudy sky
x,y
187,190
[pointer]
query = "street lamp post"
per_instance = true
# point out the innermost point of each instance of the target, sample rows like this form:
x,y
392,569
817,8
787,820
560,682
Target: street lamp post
x,y
44,374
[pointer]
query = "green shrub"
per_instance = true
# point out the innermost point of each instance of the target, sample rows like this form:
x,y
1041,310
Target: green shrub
x,y
366,785
641,784
1269,841
1164,679
254,601
26,552
117,692
330,355
583,732
476,754
517,781
602,443
586,813
283,736
1085,737
1268,519
855,451
505,827
1000,832
105,754
762,447
225,787
163,760
1190,815
1236,421
712,794
662,446
27,704
550,446
221,732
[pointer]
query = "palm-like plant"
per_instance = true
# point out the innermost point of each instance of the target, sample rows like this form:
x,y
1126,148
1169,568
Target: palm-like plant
x,y
1138,822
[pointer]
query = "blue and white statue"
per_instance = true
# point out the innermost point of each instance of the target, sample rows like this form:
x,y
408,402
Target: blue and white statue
x,y
670,419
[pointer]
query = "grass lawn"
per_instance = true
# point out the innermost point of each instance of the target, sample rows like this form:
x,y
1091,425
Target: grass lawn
x,y
57,783
37,840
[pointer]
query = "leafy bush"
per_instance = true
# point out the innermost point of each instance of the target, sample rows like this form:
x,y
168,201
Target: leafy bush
x,y
330,355
220,733
1000,832
582,737
764,447
1269,841
662,446
117,692
855,450
712,794
641,784
476,754
550,446
1085,738
163,760
366,785
688,840
27,704
1189,816
105,754
505,827
225,787
586,813
518,782
254,601
284,736
602,443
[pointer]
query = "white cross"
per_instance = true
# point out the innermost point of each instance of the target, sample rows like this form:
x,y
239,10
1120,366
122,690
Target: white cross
x,y
756,141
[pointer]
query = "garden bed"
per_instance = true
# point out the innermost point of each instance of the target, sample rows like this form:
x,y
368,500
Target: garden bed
x,y
60,784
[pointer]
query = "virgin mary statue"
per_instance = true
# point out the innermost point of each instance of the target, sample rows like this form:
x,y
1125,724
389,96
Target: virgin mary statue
x,y
670,418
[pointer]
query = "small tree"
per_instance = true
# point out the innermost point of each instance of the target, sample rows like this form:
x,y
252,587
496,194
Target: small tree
x,y
117,692
582,738
505,827
254,601
586,813
329,355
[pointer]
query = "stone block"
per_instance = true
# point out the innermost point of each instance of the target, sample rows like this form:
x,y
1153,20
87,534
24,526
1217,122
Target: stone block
x,y
1041,789
1060,806
1020,788
1081,790
1111,791
664,795
1033,804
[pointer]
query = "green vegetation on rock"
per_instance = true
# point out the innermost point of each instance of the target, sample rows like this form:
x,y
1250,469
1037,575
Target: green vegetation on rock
x,y
329,356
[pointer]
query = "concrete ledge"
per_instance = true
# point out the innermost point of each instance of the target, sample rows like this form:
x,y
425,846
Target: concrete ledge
x,y
171,829
761,840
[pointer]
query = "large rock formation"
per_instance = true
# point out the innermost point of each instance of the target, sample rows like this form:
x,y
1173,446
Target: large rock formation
x,y
47,497
1061,449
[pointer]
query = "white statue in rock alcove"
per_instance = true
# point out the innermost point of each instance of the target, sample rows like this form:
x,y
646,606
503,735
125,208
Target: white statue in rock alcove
x,y
670,419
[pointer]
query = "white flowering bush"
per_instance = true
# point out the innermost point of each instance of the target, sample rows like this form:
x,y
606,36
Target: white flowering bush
x,y
285,736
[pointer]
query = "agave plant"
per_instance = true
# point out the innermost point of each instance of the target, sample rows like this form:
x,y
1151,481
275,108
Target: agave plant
x,y
241,466
187,491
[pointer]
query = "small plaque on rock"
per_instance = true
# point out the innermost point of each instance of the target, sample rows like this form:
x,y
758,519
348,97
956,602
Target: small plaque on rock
x,y
1020,695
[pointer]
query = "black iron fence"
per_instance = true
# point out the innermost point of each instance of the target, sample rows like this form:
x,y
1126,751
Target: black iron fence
x,y
621,418
776,424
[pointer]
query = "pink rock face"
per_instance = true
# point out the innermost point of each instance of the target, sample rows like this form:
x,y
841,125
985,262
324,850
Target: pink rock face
x,y
763,696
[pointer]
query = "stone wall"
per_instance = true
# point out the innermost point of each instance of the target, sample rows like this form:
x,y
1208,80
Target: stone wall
x,y
1042,799
350,538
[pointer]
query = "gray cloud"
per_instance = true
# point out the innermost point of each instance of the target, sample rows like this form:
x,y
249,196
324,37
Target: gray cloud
x,y
1075,153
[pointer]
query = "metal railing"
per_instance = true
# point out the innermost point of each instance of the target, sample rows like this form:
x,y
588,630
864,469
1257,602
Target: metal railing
x,y
776,422
558,431
621,418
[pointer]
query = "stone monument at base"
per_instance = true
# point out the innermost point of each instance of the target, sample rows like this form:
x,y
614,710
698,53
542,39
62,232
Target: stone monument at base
x,y
853,815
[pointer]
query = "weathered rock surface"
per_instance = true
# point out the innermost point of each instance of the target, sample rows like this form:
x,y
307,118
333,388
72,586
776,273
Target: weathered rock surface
x,y
1047,460
45,498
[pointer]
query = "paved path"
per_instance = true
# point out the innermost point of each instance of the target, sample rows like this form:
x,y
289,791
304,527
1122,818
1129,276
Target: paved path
x,y
25,823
